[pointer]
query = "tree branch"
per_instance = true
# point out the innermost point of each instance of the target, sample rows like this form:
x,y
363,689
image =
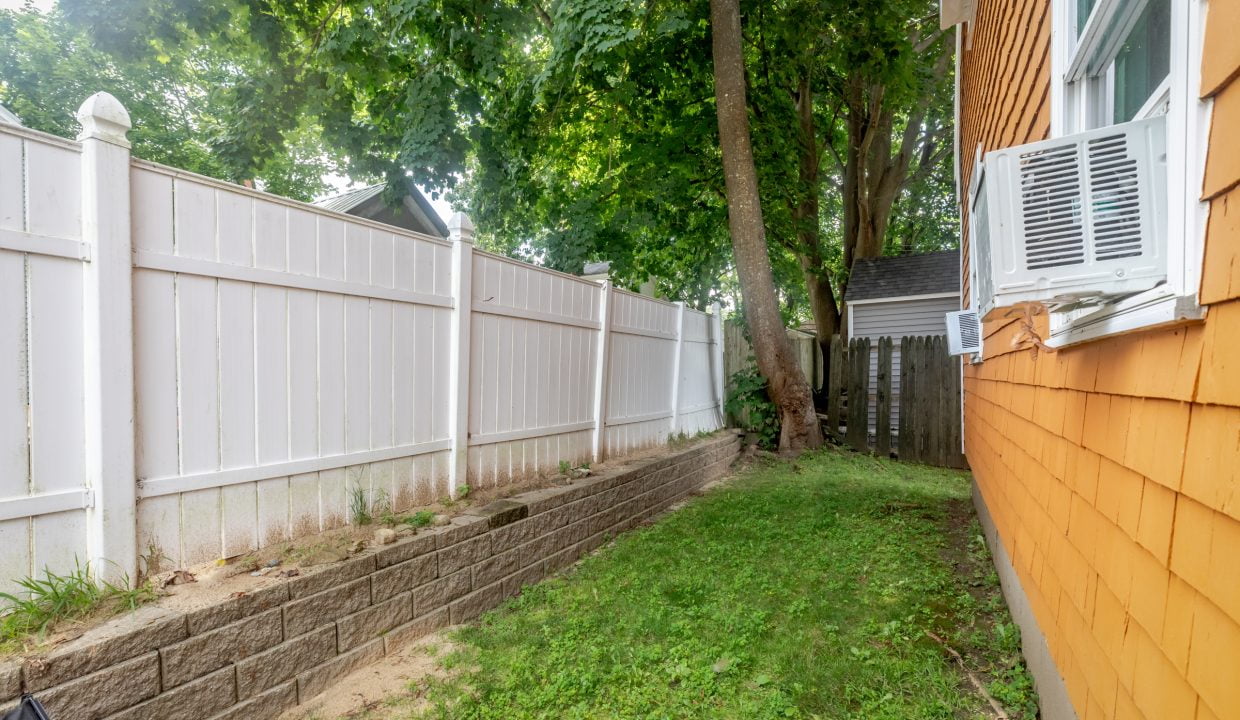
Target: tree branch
x,y
542,14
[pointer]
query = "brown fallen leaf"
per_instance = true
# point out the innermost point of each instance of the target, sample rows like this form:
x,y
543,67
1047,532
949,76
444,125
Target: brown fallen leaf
x,y
180,577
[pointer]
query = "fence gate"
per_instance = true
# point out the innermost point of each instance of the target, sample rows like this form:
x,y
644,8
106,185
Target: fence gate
x,y
859,412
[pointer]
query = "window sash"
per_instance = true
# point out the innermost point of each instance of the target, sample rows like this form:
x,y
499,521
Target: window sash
x,y
1088,85
1102,37
1188,127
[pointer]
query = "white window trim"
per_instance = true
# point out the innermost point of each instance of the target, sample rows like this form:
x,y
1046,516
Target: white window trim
x,y
1188,133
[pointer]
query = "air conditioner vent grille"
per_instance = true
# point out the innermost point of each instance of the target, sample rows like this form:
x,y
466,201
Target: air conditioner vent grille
x,y
1050,190
1070,220
964,332
969,335
1115,198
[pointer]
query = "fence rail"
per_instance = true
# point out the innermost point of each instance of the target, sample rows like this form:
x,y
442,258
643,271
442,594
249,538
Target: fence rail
x,y
929,430
222,369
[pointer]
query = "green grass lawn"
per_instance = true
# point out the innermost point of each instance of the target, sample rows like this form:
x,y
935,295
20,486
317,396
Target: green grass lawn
x,y
799,590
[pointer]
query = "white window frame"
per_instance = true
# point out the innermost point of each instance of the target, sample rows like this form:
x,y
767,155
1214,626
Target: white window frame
x,y
1188,131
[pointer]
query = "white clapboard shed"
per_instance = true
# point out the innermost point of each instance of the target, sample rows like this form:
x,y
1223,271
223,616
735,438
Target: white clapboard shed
x,y
898,297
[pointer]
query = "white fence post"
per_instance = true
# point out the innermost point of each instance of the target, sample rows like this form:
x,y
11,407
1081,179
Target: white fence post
x,y
680,346
108,341
716,356
462,232
601,368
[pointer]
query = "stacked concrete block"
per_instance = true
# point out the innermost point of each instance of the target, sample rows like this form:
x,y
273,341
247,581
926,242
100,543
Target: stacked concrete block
x,y
258,654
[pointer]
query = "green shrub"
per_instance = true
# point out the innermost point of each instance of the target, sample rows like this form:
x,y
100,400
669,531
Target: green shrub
x,y
749,402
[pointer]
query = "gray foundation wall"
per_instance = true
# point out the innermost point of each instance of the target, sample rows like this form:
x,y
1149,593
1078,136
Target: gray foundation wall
x,y
1052,693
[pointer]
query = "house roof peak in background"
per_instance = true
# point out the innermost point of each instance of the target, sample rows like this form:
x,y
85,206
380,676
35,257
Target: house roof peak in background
x,y
9,117
904,276
415,211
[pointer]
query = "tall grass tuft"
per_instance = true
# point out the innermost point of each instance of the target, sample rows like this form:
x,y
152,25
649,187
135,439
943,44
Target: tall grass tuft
x,y
43,603
359,507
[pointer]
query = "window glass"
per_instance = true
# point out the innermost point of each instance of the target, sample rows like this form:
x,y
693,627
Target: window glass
x,y
1143,61
1083,9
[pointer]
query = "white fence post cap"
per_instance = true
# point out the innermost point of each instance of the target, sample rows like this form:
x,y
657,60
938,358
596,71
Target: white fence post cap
x,y
460,227
104,118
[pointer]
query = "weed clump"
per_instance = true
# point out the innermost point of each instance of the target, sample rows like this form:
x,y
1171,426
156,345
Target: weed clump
x,y
43,604
420,519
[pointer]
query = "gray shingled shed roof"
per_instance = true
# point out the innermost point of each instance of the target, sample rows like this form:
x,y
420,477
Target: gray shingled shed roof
x,y
937,272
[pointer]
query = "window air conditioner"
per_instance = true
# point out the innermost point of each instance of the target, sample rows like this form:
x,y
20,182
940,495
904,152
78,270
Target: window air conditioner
x,y
1071,222
964,332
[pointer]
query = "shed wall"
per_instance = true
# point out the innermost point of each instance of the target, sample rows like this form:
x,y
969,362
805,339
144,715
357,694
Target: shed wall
x,y
897,319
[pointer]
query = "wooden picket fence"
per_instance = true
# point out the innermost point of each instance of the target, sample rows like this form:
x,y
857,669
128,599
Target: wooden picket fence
x,y
929,427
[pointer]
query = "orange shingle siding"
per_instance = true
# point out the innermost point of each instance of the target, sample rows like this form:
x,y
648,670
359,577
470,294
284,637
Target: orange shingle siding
x,y
1219,68
1223,158
1220,277
1220,61
1112,468
1004,71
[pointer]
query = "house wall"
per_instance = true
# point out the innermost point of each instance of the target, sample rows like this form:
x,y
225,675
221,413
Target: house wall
x,y
896,319
1111,469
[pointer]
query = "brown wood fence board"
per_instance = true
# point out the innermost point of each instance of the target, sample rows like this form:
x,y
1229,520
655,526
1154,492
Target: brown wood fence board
x,y
882,420
910,432
938,400
904,448
925,390
857,430
835,376
929,422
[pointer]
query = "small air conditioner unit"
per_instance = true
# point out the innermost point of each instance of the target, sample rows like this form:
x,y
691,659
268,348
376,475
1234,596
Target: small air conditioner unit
x,y
1071,222
964,332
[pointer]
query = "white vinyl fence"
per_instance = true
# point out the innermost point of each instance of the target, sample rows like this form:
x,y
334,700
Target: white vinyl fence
x,y
190,369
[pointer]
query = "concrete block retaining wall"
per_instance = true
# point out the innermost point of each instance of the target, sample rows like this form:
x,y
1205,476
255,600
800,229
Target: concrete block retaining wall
x,y
256,655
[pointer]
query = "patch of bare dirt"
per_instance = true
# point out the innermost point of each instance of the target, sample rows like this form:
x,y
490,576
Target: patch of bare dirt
x,y
394,687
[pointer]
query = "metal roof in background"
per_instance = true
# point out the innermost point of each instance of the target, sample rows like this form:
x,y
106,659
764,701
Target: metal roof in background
x,y
346,201
349,201
8,116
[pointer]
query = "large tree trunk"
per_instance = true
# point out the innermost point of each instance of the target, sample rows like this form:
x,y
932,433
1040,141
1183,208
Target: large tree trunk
x,y
875,170
805,217
776,362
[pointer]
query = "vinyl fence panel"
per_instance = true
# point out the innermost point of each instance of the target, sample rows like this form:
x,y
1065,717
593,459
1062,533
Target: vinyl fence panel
x,y
639,394
532,356
699,410
42,395
277,306
285,362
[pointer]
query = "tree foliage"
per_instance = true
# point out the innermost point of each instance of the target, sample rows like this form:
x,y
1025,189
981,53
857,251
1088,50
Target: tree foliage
x,y
181,99
571,130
